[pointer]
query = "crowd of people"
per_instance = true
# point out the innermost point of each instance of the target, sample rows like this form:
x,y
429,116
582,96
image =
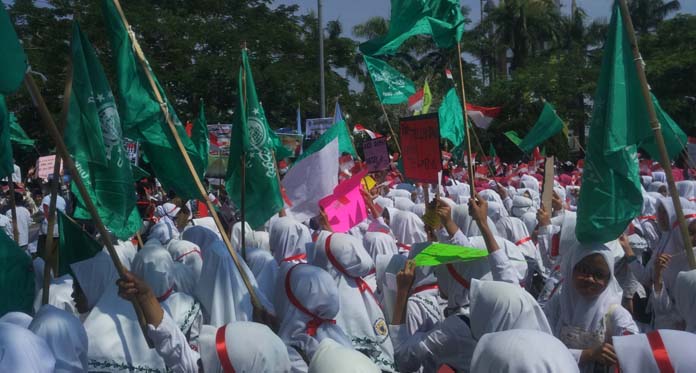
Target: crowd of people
x,y
302,298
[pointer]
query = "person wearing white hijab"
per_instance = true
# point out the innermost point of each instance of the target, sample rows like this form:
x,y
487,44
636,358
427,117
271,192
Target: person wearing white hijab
x,y
307,298
207,222
587,312
24,351
529,182
658,187
236,238
17,318
165,229
190,256
461,217
332,357
656,352
403,203
93,276
242,347
685,298
289,240
345,258
378,243
65,336
521,351
521,205
60,295
264,268
408,228
418,209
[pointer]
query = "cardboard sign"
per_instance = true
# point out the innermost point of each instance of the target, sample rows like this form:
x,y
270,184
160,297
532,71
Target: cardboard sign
x,y
420,144
376,154
345,208
132,150
44,166
316,127
547,191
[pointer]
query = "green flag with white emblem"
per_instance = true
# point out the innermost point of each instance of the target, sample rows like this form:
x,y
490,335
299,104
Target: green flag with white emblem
x,y
14,61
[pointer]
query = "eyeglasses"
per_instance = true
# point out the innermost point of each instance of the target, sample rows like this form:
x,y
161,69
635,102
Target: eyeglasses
x,y
598,274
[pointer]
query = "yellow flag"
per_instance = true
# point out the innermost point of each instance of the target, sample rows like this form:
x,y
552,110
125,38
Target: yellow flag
x,y
427,100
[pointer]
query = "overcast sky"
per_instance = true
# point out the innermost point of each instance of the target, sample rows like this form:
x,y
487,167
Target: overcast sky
x,y
353,12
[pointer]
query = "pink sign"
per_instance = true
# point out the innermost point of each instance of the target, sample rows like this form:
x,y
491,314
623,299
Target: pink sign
x,y
44,166
345,208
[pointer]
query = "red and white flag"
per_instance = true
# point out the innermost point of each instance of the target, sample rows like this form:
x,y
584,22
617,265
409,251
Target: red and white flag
x,y
359,128
415,102
448,74
482,116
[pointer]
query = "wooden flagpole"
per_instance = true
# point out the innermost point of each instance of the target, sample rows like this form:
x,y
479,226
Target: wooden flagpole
x,y
657,130
13,207
51,256
466,123
62,151
391,129
172,127
243,169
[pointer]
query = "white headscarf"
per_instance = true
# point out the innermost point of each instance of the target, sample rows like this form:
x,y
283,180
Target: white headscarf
x,y
636,354
497,306
403,203
687,189
60,295
530,221
207,222
17,318
265,270
659,176
94,276
685,298
345,258
308,300
529,182
163,231
454,280
522,351
468,226
655,186
248,347
190,256
332,357
289,239
378,243
408,228
236,239
155,266
64,335
23,351
521,205
125,251
418,209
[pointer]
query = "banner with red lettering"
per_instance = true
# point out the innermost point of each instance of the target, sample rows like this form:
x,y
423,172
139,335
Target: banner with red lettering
x,y
420,145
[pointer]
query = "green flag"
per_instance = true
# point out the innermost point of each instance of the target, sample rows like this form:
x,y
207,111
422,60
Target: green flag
x,y
16,277
93,138
546,126
251,136
14,61
75,245
441,253
441,19
392,87
512,136
139,173
611,196
17,134
338,130
199,136
6,162
491,151
142,118
675,138
451,118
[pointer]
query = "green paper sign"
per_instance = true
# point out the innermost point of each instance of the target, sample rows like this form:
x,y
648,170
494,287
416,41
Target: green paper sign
x,y
441,253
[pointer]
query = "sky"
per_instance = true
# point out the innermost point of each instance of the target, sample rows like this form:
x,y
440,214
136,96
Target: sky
x,y
353,12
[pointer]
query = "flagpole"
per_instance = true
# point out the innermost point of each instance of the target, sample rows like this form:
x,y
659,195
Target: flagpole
x,y
483,152
659,139
172,127
384,111
466,122
51,257
62,151
243,161
13,206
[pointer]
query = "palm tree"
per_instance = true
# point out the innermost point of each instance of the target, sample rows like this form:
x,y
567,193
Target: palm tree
x,y
647,14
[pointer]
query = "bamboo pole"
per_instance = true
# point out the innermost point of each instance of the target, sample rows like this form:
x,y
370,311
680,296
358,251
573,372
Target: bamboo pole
x,y
466,122
659,139
51,256
62,151
172,127
243,162
13,207
391,129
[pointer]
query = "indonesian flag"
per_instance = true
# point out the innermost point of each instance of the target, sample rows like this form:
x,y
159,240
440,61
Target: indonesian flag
x,y
448,74
359,128
482,116
537,157
415,102
481,172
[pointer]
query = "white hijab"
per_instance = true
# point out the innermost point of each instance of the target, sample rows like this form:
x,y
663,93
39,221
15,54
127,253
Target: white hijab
x,y
522,351
378,243
403,203
190,256
635,353
468,226
155,266
95,275
265,270
685,298
332,357
248,347
236,239
23,351
64,335
60,295
454,280
408,228
521,205
289,239
17,318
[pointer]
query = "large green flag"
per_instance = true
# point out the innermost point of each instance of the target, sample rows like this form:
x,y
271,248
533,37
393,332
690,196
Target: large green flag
x,y
441,19
392,87
199,135
512,136
16,277
14,61
451,118
338,130
93,137
17,134
6,163
546,126
675,138
142,118
611,196
252,137
75,244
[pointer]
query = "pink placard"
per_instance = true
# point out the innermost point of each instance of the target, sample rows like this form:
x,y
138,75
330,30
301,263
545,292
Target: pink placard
x,y
345,208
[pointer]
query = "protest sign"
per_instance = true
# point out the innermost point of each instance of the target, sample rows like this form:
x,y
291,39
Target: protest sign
x,y
317,126
376,154
44,166
132,150
345,208
420,144
440,253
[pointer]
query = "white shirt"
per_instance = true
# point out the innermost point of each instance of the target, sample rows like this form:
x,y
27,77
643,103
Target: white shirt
x,y
45,204
17,174
23,223
6,225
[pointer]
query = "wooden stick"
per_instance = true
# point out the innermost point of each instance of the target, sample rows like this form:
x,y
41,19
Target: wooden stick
x,y
243,164
659,139
52,255
13,207
391,129
172,127
62,150
470,164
